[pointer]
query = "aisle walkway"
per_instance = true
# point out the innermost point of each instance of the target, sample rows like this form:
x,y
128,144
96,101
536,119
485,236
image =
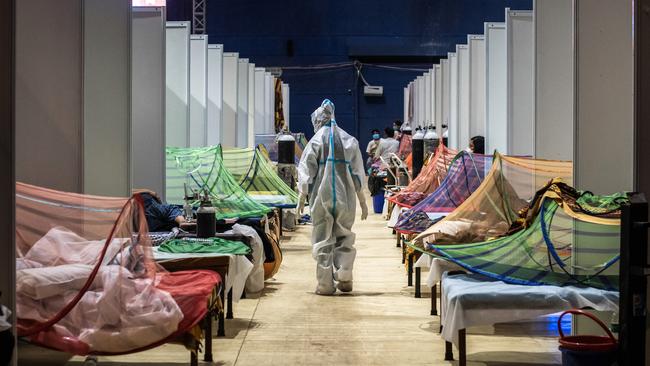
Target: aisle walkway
x,y
380,323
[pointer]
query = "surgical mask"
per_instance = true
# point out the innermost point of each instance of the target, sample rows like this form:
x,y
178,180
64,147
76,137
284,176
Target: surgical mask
x,y
375,136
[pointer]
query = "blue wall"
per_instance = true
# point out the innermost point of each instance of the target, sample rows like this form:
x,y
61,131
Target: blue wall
x,y
408,33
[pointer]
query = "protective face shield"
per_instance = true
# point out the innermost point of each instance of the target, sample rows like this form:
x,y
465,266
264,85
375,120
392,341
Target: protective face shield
x,y
375,136
323,115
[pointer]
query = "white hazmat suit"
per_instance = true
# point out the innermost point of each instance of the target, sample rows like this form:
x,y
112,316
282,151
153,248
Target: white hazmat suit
x,y
331,173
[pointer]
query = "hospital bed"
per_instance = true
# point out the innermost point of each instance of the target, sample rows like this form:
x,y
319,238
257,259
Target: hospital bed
x,y
469,300
233,269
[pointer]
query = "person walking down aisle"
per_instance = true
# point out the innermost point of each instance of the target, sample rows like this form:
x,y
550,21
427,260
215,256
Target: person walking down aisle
x,y
372,147
331,173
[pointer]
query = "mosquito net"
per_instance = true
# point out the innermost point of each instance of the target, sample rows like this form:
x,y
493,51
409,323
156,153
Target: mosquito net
x,y
494,206
405,146
86,282
270,143
564,237
465,175
256,175
428,180
202,168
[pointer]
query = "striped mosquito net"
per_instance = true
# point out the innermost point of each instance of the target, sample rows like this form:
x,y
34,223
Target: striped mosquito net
x,y
465,175
428,180
202,168
257,176
564,237
494,206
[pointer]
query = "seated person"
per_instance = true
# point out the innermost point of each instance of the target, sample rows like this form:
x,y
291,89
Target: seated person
x,y
160,216
477,145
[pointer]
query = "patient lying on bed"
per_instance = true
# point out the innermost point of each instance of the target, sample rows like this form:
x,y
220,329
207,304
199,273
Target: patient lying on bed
x,y
468,231
122,309
160,216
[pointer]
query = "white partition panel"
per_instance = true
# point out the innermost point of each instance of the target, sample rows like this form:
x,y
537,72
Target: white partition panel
x,y
286,106
107,97
463,95
554,79
242,103
177,79
423,103
453,99
148,99
416,103
250,131
230,87
519,51
198,90
476,46
215,94
437,98
429,98
269,107
405,116
604,156
260,101
496,95
444,67
48,98
604,96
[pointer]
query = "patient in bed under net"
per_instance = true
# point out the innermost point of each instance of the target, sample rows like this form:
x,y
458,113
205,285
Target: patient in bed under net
x,y
160,216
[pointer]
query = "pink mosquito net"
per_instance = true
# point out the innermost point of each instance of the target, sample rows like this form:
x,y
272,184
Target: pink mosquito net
x,y
86,280
428,180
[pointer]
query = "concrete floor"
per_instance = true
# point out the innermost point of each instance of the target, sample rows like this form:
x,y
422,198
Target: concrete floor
x,y
380,323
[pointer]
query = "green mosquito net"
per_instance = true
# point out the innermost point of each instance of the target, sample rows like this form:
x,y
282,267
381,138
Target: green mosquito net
x,y
256,175
202,168
566,237
525,224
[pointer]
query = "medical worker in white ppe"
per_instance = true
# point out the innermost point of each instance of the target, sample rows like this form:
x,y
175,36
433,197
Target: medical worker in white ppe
x,y
331,173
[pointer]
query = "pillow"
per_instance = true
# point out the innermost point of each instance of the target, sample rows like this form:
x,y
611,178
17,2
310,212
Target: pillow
x,y
41,283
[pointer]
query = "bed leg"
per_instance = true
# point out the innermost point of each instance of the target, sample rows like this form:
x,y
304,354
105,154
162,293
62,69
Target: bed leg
x,y
462,348
409,270
434,303
418,275
449,353
399,239
194,359
229,314
441,307
403,251
207,356
221,332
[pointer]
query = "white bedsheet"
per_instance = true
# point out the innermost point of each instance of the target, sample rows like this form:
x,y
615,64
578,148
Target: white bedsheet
x,y
394,216
436,215
239,267
470,300
437,267
255,280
